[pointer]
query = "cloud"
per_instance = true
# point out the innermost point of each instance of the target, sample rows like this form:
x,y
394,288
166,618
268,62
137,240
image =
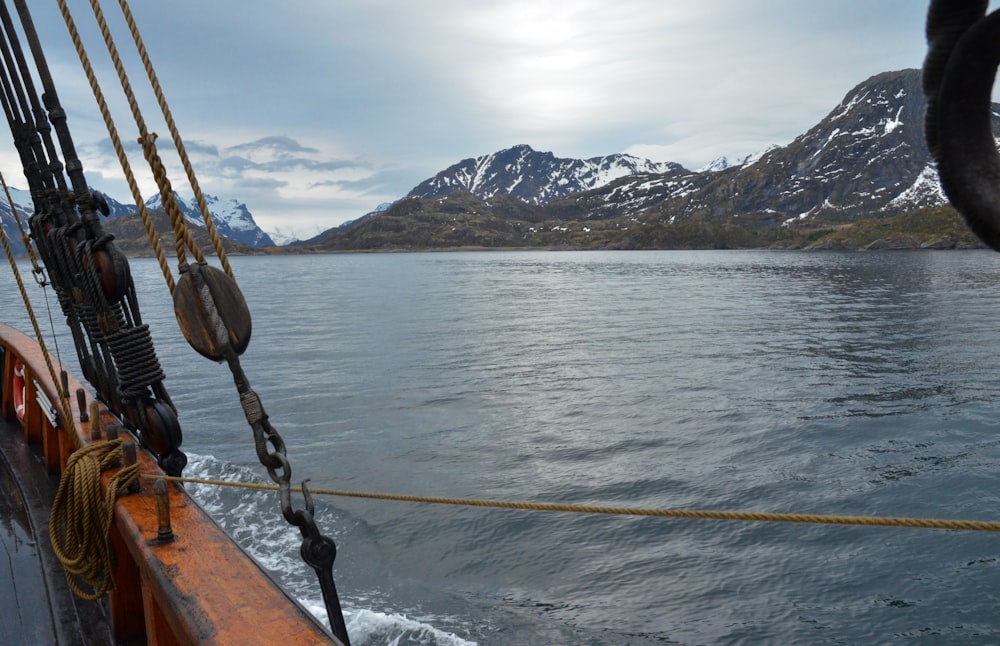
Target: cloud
x,y
302,189
275,146
277,175
328,109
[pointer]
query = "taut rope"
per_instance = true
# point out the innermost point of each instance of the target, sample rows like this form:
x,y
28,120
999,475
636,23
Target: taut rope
x,y
209,307
699,514
64,407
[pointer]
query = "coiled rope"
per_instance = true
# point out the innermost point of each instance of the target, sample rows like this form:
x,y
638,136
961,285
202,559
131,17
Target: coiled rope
x,y
752,516
81,517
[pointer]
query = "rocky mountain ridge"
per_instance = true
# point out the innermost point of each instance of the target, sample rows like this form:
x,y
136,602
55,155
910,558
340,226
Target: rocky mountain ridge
x,y
232,218
866,158
533,177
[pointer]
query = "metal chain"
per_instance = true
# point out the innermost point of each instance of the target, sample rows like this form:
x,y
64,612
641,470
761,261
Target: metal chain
x,y
318,551
111,321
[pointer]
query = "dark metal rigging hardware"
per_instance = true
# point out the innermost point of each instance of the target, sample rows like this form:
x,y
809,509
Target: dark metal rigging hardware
x,y
90,276
214,318
958,77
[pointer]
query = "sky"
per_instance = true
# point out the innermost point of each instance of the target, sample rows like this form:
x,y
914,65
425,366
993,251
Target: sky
x,y
314,113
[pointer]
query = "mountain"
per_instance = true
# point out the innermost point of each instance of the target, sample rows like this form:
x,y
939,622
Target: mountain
x,y
7,221
722,163
865,159
858,160
132,239
232,218
24,206
531,176
341,228
866,156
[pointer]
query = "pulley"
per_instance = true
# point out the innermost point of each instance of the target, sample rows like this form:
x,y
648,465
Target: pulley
x,y
211,312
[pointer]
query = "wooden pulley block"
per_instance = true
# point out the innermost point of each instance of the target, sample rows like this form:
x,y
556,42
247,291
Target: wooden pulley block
x,y
158,426
211,312
112,268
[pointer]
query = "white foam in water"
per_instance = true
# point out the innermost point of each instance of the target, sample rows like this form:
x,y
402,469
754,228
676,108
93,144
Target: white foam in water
x,y
370,627
253,520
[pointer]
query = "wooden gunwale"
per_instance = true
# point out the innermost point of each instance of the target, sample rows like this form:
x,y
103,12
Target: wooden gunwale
x,y
201,588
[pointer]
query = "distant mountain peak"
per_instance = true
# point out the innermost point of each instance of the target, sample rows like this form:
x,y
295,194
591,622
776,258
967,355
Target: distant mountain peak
x,y
867,158
716,165
232,218
532,176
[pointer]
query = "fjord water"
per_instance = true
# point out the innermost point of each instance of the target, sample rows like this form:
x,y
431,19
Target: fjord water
x,y
831,383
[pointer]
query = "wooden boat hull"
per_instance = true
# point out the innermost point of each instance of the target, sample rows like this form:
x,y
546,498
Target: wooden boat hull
x,y
199,588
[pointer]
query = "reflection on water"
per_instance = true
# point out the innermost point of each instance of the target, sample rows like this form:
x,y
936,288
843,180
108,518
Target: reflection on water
x,y
855,383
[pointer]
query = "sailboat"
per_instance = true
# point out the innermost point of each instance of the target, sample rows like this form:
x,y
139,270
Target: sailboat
x,y
103,545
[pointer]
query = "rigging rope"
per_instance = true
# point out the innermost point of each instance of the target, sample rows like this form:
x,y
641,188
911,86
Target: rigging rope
x,y
750,516
183,237
116,142
90,276
154,82
209,307
67,414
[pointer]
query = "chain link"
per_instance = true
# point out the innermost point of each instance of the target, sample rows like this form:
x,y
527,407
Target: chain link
x,y
318,551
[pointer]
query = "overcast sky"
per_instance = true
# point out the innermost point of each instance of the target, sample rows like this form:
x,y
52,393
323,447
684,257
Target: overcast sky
x,y
313,113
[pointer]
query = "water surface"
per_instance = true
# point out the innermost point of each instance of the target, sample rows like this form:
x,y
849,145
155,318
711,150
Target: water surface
x,y
835,383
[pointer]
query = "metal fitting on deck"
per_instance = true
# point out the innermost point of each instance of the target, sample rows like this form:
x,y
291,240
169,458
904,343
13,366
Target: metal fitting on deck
x,y
161,494
129,459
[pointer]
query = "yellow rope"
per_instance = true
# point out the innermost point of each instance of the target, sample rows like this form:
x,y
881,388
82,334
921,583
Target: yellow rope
x,y
25,238
870,521
154,82
80,525
116,141
67,413
182,233
183,236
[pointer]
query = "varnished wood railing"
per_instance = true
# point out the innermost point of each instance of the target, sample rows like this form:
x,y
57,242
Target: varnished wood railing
x,y
200,587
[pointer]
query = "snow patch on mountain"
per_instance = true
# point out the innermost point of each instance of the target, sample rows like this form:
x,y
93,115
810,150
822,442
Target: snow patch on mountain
x,y
717,165
534,177
232,218
280,238
753,158
925,191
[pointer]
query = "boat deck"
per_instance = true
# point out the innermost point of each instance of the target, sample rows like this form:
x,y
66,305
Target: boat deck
x,y
37,606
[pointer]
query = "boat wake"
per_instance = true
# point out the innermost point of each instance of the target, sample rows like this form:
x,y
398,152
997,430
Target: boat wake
x,y
253,519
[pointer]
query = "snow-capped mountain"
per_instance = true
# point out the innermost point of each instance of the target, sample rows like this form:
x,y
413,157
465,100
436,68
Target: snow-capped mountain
x,y
867,156
533,177
716,165
25,207
861,157
22,203
232,218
